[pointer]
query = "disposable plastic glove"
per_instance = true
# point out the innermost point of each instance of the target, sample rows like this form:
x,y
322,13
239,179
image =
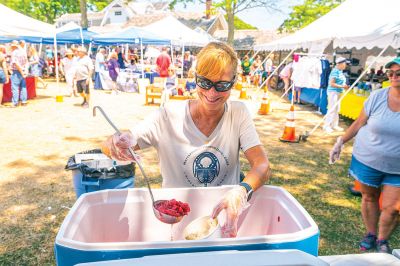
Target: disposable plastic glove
x,y
234,203
334,154
119,147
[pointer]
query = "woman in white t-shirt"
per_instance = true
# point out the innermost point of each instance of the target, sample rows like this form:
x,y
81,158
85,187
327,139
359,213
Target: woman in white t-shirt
x,y
198,141
68,70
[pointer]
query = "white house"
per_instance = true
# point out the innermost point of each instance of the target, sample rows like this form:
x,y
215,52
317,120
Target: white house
x,y
117,12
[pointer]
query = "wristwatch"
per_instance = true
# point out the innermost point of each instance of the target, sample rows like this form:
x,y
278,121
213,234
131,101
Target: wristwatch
x,y
248,188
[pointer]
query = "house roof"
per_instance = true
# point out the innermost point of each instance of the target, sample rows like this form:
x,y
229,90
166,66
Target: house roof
x,y
246,39
77,16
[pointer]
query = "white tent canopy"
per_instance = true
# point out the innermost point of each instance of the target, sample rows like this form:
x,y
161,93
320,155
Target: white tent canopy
x,y
173,29
18,24
354,23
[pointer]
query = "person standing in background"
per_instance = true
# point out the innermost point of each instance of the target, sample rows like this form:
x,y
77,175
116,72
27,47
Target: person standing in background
x,y
187,63
83,73
99,66
286,74
68,70
19,67
113,71
3,72
375,160
36,70
337,83
163,62
121,58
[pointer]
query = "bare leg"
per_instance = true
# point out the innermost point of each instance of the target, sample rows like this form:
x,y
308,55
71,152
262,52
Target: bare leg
x,y
1,93
370,207
390,211
298,95
42,81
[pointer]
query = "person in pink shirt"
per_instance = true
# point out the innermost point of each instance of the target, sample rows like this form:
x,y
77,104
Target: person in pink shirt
x,y
163,62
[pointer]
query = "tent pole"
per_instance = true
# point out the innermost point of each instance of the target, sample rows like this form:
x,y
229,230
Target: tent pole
x,y
40,48
56,64
141,56
254,55
127,51
90,48
80,29
275,70
348,90
262,63
172,54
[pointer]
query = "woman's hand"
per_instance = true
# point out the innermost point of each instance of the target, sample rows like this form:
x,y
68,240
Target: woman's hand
x,y
233,202
334,154
117,147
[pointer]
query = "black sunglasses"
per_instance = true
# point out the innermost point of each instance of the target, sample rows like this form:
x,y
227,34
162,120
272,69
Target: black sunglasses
x,y
392,73
219,86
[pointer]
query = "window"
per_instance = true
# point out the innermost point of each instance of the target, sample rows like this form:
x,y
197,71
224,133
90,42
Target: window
x,y
118,13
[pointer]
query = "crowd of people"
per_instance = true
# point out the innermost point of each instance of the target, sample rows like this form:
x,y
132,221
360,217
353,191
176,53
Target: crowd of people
x,y
17,61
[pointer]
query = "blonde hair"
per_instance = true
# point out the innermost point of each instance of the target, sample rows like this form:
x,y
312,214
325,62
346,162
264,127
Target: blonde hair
x,y
113,55
214,59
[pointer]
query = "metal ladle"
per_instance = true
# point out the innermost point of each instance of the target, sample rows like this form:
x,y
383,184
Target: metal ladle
x,y
165,218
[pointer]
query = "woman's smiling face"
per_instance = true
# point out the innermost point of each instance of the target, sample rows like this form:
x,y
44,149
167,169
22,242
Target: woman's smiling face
x,y
212,99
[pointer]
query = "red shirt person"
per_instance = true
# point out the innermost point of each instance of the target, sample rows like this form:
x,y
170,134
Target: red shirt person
x,y
163,62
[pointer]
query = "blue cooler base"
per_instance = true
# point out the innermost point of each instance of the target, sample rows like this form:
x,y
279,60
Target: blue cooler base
x,y
67,256
85,185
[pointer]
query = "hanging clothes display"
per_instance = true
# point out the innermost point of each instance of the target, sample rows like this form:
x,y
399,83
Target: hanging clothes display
x,y
307,72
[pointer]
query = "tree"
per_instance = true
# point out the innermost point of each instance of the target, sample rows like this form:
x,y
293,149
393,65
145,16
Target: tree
x,y
49,10
304,14
233,7
83,7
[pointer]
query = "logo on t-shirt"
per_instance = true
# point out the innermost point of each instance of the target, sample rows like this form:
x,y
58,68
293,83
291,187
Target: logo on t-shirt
x,y
204,166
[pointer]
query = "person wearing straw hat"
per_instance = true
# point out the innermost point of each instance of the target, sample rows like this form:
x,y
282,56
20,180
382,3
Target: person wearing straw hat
x,y
19,67
83,73
336,85
376,160
199,141
67,65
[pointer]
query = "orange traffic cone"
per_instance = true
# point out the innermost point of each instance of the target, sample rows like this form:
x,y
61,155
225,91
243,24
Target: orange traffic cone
x,y
289,133
243,93
265,104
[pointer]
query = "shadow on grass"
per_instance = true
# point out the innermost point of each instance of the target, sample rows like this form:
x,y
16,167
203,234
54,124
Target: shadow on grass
x,y
31,212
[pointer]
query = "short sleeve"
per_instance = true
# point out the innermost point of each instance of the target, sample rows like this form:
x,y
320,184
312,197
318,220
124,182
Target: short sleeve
x,y
147,131
334,75
248,136
370,102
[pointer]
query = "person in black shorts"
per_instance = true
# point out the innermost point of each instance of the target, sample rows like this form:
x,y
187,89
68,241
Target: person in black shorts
x,y
83,72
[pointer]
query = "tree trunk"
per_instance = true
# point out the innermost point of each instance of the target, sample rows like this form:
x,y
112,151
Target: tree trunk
x,y
208,8
231,26
84,19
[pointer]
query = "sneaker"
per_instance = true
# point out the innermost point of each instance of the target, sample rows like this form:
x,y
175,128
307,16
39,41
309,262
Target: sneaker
x,y
328,130
382,246
85,105
24,104
84,102
337,128
368,242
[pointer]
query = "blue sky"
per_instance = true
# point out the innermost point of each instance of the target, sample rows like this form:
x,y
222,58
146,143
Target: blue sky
x,y
258,17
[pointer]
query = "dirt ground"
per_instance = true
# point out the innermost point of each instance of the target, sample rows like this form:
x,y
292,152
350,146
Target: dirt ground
x,y
36,191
